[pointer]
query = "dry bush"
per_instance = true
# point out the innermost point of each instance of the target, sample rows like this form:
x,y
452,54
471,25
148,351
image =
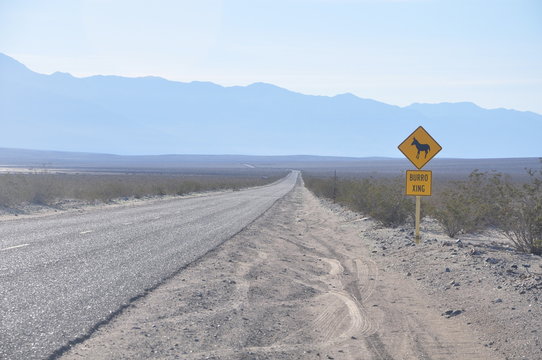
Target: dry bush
x,y
485,200
46,189
491,199
17,188
321,187
482,200
519,213
466,206
382,199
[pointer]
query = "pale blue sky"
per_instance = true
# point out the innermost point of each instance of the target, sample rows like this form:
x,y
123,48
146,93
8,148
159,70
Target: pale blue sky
x,y
396,51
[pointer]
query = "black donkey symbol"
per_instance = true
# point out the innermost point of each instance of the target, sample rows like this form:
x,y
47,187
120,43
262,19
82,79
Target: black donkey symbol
x,y
420,148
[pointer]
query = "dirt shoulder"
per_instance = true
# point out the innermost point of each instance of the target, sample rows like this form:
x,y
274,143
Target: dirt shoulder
x,y
304,282
497,290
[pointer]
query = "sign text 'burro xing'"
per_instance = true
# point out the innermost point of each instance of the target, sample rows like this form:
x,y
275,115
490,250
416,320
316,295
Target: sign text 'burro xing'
x,y
419,147
419,182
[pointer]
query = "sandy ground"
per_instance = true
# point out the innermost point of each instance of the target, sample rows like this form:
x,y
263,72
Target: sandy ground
x,y
311,280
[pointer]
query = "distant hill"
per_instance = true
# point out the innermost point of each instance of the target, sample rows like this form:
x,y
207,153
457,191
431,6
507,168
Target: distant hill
x,y
13,160
152,115
61,159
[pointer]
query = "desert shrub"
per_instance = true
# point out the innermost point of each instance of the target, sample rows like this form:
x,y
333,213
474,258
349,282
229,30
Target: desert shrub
x,y
17,188
466,206
321,187
519,212
390,205
485,200
382,199
482,200
451,214
46,189
12,188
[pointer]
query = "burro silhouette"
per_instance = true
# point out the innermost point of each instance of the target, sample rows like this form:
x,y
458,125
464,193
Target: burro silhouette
x,y
421,147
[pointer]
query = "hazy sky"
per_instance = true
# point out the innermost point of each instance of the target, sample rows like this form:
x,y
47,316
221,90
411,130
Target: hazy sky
x,y
397,51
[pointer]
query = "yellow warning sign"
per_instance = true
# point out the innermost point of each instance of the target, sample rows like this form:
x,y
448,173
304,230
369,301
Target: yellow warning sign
x,y
418,182
419,147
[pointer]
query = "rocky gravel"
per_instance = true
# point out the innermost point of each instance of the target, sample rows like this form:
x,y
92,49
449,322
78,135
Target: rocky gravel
x,y
479,279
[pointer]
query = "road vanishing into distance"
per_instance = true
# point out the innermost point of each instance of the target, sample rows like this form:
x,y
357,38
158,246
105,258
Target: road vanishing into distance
x,y
64,274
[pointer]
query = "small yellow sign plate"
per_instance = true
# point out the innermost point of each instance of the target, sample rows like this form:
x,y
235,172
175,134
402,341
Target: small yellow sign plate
x,y
419,182
419,147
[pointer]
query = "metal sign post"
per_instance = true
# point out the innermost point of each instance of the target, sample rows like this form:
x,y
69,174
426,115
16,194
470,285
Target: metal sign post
x,y
419,147
417,236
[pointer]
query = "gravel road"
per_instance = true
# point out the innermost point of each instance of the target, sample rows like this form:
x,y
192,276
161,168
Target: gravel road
x,y
62,275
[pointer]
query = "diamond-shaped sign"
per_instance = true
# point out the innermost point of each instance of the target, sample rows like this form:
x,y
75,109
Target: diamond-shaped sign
x,y
419,147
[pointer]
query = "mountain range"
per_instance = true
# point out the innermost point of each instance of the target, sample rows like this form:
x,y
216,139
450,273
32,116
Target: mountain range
x,y
151,115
